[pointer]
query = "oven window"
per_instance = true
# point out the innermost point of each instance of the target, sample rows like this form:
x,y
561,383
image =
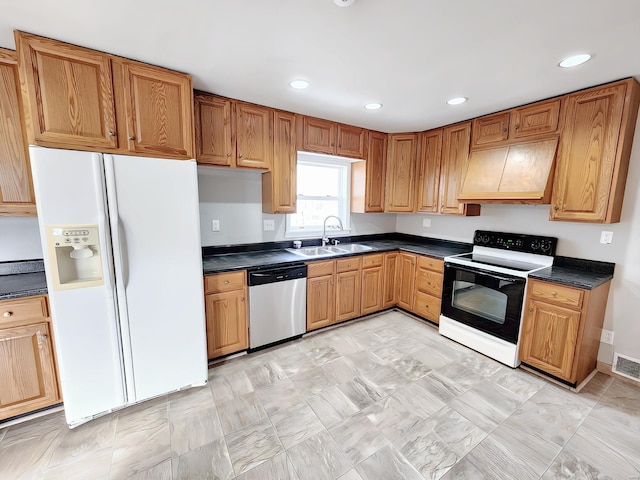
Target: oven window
x,y
479,300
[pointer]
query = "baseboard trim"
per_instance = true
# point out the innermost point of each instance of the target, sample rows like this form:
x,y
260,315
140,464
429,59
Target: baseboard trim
x,y
606,368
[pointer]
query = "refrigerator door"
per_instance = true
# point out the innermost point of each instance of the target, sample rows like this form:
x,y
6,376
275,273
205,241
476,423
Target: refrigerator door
x,y
155,224
69,188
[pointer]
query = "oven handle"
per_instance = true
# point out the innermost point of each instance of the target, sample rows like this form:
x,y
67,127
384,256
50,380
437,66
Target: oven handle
x,y
488,273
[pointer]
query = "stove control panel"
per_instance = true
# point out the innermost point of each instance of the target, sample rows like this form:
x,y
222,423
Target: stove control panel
x,y
517,242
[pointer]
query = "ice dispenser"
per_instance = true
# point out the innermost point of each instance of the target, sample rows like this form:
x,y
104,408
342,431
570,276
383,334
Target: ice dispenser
x,y
76,256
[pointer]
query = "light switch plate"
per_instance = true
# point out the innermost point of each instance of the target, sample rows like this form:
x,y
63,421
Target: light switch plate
x,y
607,336
269,225
215,225
606,237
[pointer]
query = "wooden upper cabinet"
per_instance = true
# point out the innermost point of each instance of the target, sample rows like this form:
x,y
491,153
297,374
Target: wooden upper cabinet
x,y
455,157
16,189
352,141
368,177
215,135
593,155
319,135
69,94
429,171
158,105
253,136
401,162
279,186
490,129
539,118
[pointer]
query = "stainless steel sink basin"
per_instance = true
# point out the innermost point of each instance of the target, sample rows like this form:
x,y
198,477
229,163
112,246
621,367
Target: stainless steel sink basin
x,y
329,250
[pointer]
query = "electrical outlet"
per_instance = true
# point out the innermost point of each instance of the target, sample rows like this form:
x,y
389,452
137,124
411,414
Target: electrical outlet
x,y
606,336
215,225
269,225
426,222
606,237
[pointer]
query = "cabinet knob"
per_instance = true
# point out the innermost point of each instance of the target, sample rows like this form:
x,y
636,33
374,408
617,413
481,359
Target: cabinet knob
x,y
112,133
554,293
226,282
517,126
556,208
240,156
348,264
7,314
242,299
228,154
530,309
131,137
504,130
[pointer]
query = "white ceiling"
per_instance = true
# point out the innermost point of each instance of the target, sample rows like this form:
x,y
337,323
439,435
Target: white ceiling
x,y
410,55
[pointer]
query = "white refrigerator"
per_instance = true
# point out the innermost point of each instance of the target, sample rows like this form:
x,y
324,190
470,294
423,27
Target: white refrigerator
x,y
122,253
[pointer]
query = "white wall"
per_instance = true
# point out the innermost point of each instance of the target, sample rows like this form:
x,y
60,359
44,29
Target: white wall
x,y
19,238
234,197
575,240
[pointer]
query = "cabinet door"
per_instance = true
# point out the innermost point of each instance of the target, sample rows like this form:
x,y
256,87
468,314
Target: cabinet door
x,y
253,136
429,171
159,111
588,155
279,186
536,119
70,94
352,141
371,290
406,280
490,129
215,140
320,302
389,290
16,189
27,371
549,338
401,162
227,330
348,295
368,178
455,156
319,135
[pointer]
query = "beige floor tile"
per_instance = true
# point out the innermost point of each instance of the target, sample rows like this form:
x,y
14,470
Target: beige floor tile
x,y
296,424
209,461
253,445
358,437
319,458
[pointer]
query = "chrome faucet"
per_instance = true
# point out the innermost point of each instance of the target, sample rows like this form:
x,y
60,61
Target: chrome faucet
x,y
325,239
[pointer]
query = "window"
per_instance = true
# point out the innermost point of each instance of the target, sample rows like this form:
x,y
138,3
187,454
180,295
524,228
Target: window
x,y
323,190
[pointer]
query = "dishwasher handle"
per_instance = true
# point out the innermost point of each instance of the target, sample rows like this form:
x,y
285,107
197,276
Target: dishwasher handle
x,y
282,274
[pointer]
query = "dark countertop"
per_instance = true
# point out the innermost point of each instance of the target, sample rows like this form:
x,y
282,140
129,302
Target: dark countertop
x,y
576,272
272,258
23,278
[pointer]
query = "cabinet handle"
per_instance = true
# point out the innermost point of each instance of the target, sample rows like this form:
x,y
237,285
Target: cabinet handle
x,y
132,137
112,133
7,314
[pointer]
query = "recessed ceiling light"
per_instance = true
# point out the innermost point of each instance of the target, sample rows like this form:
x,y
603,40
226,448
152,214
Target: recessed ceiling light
x,y
457,100
373,106
575,60
299,84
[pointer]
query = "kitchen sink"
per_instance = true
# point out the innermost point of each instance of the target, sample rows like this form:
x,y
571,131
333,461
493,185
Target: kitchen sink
x,y
329,250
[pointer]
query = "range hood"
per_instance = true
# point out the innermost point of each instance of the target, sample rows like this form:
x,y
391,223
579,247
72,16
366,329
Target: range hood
x,y
516,173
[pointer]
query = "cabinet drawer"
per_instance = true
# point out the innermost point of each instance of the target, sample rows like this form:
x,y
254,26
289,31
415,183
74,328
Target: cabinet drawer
x,y
225,282
427,306
429,282
431,264
557,294
348,264
319,269
373,260
16,310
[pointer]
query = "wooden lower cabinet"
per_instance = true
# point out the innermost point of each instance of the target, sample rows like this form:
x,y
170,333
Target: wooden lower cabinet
x,y
405,279
226,313
320,302
372,281
27,363
428,288
561,329
348,295
390,271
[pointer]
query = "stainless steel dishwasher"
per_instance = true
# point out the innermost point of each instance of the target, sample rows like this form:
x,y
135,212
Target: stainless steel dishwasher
x,y
277,304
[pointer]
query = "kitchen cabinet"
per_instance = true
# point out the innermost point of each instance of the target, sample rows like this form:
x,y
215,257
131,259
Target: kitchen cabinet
x,y
226,313
16,188
429,171
368,177
389,281
405,280
324,136
79,98
372,281
253,136
348,288
27,363
321,297
453,165
593,155
539,118
279,186
400,182
428,288
561,329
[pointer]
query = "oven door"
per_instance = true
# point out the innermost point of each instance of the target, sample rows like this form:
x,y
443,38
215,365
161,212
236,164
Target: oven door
x,y
488,301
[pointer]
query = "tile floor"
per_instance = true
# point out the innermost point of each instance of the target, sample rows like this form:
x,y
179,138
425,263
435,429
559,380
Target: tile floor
x,y
385,398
